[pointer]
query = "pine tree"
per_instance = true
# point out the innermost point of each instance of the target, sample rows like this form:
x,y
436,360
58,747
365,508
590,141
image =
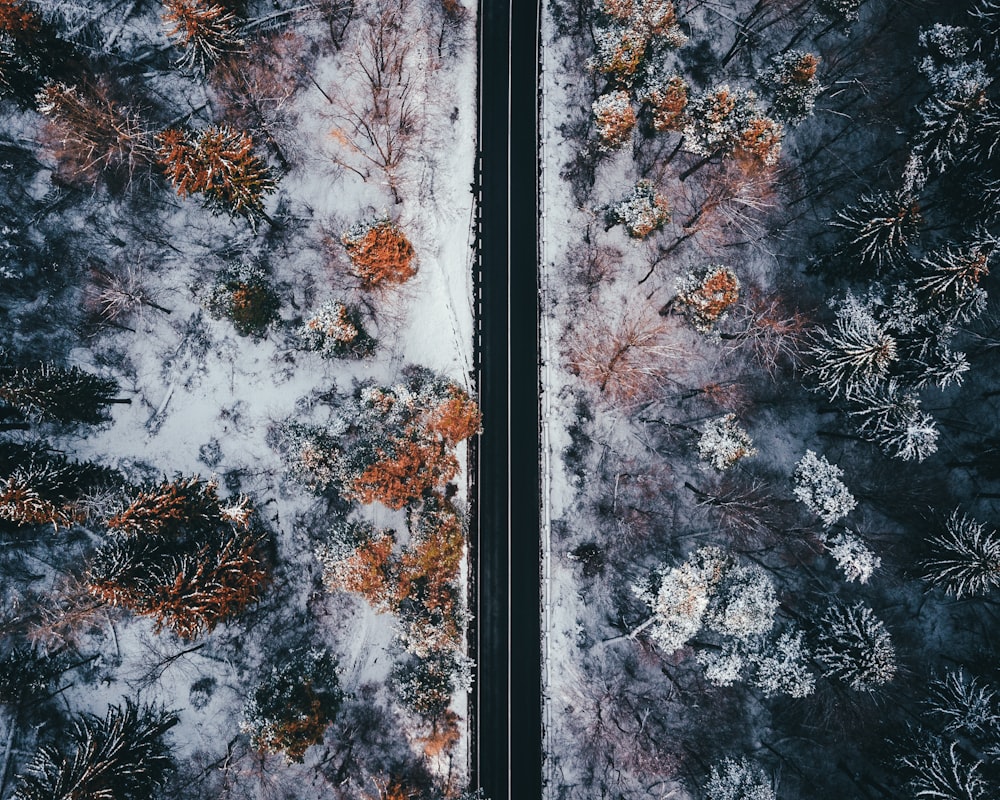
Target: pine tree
x,y
965,559
243,294
59,394
879,228
733,779
205,30
941,772
290,709
123,756
949,283
857,351
93,135
854,648
892,418
966,707
31,54
183,556
221,166
26,676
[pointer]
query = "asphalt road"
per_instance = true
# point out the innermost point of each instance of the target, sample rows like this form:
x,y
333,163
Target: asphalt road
x,y
507,759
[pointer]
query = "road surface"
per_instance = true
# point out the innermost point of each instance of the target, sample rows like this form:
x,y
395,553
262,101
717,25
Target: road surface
x,y
507,758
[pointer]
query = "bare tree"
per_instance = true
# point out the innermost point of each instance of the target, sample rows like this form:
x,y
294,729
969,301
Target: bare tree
x,y
375,111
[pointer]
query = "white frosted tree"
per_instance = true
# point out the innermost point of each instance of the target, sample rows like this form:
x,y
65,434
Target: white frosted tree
x,y
941,772
965,706
854,648
965,559
738,779
852,555
792,76
781,667
724,442
818,486
642,211
878,229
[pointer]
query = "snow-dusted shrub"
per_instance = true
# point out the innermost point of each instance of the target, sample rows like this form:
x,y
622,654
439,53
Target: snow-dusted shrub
x,y
668,99
311,454
780,667
356,557
723,667
426,685
706,295
642,211
614,118
620,51
733,779
243,294
379,252
290,708
854,648
724,442
818,486
726,121
853,556
335,330
793,77
965,559
839,13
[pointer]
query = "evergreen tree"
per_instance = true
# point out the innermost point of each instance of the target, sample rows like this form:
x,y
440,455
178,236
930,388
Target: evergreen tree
x,y
59,394
26,676
879,229
205,30
31,54
854,648
891,417
941,772
180,554
123,756
290,709
221,166
966,707
965,559
93,135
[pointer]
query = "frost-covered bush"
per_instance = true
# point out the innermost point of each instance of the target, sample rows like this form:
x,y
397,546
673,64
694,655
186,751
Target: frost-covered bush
x,y
706,295
818,486
724,442
356,557
379,252
733,779
839,13
853,556
243,294
667,98
335,330
614,118
426,685
311,454
792,75
730,122
628,32
620,51
290,709
854,648
965,559
642,211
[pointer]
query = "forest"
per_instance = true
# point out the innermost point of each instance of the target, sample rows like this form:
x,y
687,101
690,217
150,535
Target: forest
x,y
769,349
235,398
